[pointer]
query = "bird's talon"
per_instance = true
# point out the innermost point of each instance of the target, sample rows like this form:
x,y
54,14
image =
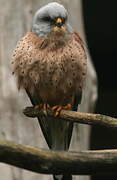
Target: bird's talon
x,y
43,107
45,112
68,106
39,106
57,113
57,109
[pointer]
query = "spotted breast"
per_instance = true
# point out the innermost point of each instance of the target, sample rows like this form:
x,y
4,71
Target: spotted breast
x,y
56,69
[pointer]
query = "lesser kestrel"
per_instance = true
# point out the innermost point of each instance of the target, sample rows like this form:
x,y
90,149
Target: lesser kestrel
x,y
50,64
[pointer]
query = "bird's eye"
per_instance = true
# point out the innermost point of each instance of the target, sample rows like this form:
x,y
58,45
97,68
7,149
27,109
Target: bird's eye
x,y
46,18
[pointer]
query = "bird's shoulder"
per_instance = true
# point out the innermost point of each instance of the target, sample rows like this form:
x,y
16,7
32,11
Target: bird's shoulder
x,y
27,49
75,36
76,47
27,43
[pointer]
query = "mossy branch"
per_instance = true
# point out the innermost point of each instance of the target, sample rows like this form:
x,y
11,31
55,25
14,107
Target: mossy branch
x,y
77,117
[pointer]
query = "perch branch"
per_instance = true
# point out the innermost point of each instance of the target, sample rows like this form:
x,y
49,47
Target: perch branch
x,y
77,117
56,162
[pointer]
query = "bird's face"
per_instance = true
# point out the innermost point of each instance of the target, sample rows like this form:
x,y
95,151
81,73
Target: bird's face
x,y
51,18
59,25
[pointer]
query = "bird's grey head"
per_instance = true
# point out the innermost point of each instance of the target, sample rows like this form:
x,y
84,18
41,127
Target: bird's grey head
x,y
51,17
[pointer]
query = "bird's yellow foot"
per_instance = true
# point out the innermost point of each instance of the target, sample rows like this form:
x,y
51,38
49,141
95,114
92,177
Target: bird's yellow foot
x,y
57,109
43,107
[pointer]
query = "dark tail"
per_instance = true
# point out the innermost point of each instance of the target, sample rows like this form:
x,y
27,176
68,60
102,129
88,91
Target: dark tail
x,y
56,132
61,135
62,177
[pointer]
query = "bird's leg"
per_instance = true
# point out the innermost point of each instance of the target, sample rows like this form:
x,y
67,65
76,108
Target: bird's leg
x,y
39,106
68,106
43,107
57,109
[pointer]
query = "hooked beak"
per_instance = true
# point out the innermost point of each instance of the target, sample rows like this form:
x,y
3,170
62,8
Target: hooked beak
x,y
59,25
59,22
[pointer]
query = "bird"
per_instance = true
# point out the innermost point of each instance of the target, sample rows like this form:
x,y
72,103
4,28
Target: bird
x,y
50,64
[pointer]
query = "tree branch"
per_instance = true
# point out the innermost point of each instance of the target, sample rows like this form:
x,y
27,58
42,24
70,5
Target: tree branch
x,y
77,117
56,162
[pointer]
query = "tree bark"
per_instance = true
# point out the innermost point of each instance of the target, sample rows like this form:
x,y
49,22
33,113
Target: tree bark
x,y
76,117
15,21
38,160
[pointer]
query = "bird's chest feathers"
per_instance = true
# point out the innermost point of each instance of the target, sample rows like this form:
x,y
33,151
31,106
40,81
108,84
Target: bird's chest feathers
x,y
53,68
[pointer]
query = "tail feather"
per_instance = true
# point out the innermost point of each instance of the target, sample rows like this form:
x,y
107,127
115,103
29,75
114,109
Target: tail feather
x,y
61,135
62,177
56,132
